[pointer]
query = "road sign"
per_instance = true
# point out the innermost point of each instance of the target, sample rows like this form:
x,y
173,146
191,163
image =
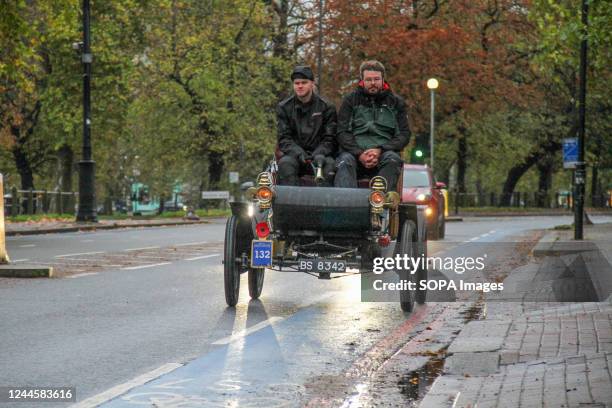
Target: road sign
x,y
215,195
234,176
570,153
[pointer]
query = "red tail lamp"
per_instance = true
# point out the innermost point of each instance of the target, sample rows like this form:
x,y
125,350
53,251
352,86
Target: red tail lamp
x,y
384,241
263,230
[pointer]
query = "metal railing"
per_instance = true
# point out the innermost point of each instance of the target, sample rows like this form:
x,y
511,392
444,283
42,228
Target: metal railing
x,y
524,199
30,202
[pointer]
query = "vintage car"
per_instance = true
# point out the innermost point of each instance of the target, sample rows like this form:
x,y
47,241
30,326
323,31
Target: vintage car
x,y
421,188
321,231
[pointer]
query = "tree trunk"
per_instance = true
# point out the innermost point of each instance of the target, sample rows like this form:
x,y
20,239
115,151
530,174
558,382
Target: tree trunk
x,y
461,162
24,167
215,169
517,171
595,196
545,169
65,160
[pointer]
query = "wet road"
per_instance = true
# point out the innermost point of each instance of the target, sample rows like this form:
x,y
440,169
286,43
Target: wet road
x,y
160,333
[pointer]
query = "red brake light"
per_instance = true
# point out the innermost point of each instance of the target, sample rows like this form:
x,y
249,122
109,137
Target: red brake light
x,y
263,230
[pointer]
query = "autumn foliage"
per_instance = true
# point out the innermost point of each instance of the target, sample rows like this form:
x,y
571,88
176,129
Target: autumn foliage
x,y
474,48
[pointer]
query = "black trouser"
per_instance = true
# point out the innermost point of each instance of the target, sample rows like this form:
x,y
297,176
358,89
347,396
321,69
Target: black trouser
x,y
290,170
348,167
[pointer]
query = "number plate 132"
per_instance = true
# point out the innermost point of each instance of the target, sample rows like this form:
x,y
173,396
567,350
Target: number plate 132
x,y
261,254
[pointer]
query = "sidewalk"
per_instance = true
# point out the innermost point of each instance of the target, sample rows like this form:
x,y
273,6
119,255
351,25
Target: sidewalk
x,y
47,227
548,342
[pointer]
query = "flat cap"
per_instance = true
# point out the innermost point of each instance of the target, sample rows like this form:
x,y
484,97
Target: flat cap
x,y
303,72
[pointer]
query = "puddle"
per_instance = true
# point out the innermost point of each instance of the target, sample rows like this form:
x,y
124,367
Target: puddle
x,y
414,385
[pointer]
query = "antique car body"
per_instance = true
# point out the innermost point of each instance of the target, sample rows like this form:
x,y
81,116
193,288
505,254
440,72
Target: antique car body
x,y
322,231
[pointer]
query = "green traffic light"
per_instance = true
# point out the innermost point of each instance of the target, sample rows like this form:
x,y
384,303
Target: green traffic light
x,y
418,153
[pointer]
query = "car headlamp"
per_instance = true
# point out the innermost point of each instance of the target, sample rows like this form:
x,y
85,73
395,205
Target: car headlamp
x,y
377,199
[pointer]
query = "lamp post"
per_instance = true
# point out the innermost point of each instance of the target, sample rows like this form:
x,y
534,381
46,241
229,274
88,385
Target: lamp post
x,y
580,172
432,84
87,199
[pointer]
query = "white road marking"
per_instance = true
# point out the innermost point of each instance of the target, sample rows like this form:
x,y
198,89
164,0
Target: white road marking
x,y
27,246
456,399
191,243
87,240
201,257
141,249
20,260
146,266
81,253
125,387
473,239
80,275
246,332
82,259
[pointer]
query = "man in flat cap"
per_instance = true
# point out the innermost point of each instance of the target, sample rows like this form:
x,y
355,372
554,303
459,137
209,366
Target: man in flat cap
x,y
306,131
372,130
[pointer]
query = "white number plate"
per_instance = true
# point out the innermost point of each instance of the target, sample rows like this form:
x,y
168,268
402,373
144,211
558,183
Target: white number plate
x,y
321,265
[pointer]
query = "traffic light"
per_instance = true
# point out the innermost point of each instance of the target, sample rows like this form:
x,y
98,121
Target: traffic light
x,y
420,150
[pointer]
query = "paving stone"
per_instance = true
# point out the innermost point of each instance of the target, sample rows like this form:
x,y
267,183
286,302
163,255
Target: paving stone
x,y
472,363
480,336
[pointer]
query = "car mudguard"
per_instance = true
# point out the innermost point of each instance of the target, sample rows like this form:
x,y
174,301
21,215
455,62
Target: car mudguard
x,y
415,213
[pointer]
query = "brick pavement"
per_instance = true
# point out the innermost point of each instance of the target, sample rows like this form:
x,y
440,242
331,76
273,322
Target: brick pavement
x,y
534,354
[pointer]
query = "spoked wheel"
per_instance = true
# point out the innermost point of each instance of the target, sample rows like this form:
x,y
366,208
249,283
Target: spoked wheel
x,y
231,265
256,280
406,247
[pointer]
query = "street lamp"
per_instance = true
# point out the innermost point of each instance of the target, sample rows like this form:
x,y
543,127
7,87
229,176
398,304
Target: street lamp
x,y
87,199
432,84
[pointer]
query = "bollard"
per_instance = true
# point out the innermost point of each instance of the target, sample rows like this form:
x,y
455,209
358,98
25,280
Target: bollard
x,y
3,255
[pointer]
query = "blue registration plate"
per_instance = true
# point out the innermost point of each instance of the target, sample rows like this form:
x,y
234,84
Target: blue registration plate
x,y
261,254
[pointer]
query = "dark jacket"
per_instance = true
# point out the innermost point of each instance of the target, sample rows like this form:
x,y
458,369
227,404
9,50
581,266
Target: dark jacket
x,y
368,121
306,128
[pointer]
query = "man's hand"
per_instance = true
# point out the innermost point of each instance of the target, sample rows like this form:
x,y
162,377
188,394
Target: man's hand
x,y
303,157
370,158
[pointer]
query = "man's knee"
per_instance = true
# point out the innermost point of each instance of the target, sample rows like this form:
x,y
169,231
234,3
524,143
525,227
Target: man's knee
x,y
288,168
288,163
390,157
346,159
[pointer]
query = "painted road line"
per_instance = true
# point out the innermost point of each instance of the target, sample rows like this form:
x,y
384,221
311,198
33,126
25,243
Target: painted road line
x,y
141,249
81,253
27,246
125,387
130,268
247,331
87,240
80,275
202,257
20,260
191,243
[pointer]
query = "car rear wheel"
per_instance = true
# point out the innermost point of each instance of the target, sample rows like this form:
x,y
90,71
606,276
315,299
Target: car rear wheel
x,y
256,280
